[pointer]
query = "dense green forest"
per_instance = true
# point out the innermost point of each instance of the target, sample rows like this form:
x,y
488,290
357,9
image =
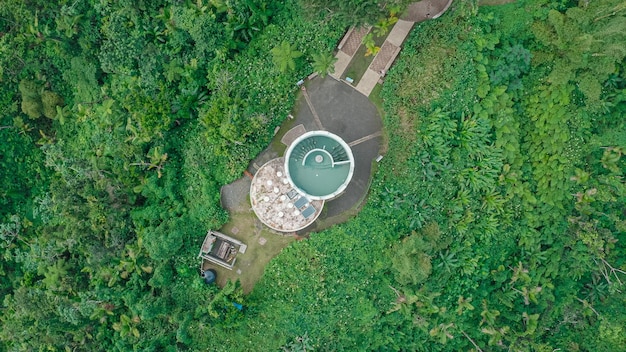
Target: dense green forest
x,y
496,220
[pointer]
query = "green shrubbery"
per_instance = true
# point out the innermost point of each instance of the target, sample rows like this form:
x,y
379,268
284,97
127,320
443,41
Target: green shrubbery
x,y
496,219
155,106
493,165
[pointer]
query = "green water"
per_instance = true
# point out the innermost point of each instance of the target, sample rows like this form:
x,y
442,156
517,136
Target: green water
x,y
313,166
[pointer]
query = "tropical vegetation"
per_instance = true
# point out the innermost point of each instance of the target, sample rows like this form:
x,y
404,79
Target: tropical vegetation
x,y
496,220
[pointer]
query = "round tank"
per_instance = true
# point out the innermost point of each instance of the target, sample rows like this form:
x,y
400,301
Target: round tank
x,y
319,164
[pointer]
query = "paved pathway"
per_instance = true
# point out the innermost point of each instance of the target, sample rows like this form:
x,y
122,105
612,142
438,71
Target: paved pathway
x,y
292,134
385,57
399,32
354,39
348,46
316,117
388,51
416,12
343,60
366,138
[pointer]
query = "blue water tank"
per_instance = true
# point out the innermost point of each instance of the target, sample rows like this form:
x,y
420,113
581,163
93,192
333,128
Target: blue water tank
x,y
209,276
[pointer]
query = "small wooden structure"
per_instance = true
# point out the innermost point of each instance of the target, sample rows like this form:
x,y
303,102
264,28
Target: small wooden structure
x,y
220,249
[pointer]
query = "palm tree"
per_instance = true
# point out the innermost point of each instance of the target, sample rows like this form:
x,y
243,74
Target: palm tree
x,y
284,55
324,63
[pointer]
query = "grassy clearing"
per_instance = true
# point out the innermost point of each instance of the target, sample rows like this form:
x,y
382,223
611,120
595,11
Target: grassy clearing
x,y
377,100
430,69
426,77
358,65
425,83
251,263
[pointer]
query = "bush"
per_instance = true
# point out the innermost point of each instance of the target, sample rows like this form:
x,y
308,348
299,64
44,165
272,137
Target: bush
x,y
50,101
31,99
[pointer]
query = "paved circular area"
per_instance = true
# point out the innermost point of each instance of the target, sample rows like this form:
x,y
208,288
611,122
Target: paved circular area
x,y
349,114
343,111
277,204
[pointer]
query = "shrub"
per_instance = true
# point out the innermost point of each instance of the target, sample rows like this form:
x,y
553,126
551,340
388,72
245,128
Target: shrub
x,y
50,101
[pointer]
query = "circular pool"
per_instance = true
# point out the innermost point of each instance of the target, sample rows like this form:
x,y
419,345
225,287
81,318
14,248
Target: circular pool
x,y
319,164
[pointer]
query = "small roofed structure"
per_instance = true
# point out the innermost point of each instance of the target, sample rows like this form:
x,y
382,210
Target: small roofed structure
x,y
220,249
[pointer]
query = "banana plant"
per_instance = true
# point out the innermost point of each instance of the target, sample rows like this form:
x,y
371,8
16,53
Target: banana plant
x,y
496,335
489,315
384,25
464,305
134,260
68,24
167,16
370,45
611,157
127,326
442,332
157,161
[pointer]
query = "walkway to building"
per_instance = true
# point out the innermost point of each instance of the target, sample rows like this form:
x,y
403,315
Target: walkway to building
x,y
389,50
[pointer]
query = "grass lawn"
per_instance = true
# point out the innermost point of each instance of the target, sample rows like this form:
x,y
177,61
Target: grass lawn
x,y
377,100
246,227
251,263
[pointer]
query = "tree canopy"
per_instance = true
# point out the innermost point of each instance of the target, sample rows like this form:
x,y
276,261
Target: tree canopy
x,y
496,220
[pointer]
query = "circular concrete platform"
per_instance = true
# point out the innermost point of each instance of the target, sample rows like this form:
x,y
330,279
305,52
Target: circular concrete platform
x,y
277,204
